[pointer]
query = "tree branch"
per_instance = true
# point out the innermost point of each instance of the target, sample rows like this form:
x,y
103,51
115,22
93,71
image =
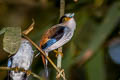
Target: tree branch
x,y
59,57
23,70
30,28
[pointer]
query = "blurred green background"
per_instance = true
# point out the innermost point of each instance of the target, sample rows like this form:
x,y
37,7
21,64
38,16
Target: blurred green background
x,y
94,51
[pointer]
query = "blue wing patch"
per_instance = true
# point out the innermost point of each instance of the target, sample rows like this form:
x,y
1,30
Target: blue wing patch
x,y
49,43
9,63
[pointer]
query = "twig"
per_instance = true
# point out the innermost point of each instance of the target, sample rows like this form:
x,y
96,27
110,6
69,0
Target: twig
x,y
62,7
43,53
30,28
21,69
36,76
58,76
59,57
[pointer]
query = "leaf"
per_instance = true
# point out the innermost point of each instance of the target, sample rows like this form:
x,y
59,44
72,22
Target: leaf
x,y
12,39
95,69
2,31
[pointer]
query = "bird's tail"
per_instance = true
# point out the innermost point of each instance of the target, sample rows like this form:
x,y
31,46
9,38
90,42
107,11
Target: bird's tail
x,y
45,62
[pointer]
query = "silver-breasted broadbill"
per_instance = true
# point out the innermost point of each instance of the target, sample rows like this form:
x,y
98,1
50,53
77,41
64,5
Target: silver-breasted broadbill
x,y
58,35
22,59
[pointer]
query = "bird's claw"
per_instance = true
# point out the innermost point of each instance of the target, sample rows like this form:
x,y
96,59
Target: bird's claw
x,y
28,72
57,53
16,69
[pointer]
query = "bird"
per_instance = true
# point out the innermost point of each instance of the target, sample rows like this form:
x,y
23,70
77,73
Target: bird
x,y
22,59
57,36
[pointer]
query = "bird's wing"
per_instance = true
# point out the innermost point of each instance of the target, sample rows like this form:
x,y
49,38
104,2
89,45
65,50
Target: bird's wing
x,y
51,36
22,59
9,65
9,62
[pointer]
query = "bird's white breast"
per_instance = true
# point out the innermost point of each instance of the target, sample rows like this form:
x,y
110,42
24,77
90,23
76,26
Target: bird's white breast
x,y
24,56
22,59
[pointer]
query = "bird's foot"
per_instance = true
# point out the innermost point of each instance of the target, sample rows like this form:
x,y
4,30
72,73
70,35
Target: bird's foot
x,y
28,72
57,53
16,69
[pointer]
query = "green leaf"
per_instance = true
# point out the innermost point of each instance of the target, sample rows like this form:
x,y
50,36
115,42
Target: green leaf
x,y
2,31
95,69
12,39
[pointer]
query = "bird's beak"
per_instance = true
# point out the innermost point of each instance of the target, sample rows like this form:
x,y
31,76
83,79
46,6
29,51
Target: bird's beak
x,y
67,19
71,16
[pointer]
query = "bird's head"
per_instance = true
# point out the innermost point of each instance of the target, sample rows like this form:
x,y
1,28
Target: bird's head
x,y
66,17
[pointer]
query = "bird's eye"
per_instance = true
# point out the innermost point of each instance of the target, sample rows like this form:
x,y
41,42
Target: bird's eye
x,y
70,16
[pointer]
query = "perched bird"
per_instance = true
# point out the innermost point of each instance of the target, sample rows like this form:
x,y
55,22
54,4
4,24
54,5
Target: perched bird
x,y
22,59
57,35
